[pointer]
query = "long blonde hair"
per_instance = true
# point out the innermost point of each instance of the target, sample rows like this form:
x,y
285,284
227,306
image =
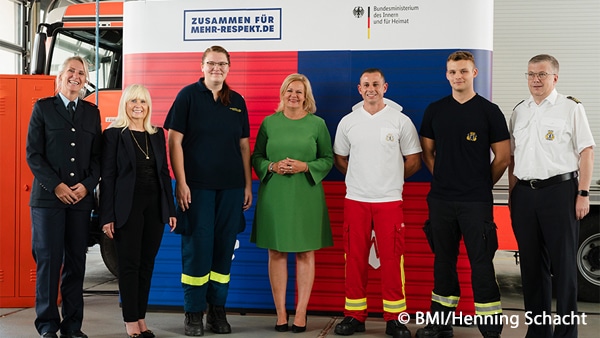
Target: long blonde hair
x,y
134,91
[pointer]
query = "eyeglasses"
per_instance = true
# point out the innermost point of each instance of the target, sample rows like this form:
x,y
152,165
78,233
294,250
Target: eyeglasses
x,y
213,64
540,75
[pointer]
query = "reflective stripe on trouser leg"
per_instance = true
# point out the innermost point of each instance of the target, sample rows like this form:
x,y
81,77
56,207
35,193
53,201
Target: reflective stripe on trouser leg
x,y
356,304
485,309
194,281
199,281
394,306
449,301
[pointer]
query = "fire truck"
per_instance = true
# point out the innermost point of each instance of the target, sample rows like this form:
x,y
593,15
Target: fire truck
x,y
71,30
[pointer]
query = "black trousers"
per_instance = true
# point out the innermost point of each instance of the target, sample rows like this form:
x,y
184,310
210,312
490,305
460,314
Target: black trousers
x,y
473,222
547,233
137,242
59,237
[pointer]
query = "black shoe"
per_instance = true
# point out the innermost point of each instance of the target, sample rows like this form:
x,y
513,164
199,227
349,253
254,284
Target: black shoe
x,y
193,324
283,327
491,334
216,319
397,330
135,335
48,335
435,331
73,334
298,329
148,334
348,326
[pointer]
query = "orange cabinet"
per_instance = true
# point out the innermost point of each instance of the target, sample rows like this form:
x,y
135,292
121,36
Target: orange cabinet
x,y
18,93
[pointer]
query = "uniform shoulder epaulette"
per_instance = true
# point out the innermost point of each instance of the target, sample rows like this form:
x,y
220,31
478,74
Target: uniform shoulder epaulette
x,y
574,99
88,102
515,107
47,98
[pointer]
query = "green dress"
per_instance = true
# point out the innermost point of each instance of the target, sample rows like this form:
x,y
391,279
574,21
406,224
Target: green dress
x,y
291,214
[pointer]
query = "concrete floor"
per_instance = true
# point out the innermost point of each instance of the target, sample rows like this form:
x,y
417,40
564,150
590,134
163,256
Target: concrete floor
x,y
103,315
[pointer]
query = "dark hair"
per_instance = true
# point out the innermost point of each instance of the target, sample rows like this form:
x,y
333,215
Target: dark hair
x,y
225,92
461,55
546,57
373,70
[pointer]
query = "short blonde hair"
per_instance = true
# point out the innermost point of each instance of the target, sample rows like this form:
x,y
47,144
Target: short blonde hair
x,y
63,68
309,100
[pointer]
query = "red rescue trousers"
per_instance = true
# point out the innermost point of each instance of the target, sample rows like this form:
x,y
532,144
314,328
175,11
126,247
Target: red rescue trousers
x,y
387,220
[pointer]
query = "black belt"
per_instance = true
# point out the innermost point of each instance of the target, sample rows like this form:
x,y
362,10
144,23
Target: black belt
x,y
538,184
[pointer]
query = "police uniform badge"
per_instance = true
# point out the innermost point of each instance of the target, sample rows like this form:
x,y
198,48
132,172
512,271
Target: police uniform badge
x,y
472,136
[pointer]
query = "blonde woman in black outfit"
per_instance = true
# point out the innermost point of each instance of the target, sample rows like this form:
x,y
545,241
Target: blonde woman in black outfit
x,y
136,201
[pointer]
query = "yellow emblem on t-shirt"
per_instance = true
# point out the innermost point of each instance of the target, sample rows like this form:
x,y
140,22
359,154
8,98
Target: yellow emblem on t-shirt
x,y
550,135
472,136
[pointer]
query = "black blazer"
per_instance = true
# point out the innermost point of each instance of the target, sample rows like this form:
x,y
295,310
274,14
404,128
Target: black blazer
x,y
119,175
60,149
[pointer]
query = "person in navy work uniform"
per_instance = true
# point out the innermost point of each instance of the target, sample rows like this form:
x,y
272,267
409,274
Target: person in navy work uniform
x,y
552,145
136,200
64,145
210,155
457,134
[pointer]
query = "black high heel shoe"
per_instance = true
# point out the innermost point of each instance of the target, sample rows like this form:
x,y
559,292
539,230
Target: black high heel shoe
x,y
299,329
148,334
283,327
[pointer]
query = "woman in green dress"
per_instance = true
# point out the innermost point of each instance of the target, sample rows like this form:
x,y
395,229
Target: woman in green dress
x,y
291,156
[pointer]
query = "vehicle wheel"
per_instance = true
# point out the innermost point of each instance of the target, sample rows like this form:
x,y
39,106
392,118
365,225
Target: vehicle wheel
x,y
588,259
109,254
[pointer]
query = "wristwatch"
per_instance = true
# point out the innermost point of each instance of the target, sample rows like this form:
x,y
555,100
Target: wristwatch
x,y
271,167
583,193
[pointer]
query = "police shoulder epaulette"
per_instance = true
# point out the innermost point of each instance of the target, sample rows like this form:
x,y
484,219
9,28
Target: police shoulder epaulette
x,y
47,98
88,102
515,107
574,99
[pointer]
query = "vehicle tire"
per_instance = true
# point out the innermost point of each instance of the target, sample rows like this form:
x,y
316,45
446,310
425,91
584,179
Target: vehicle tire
x,y
108,251
588,259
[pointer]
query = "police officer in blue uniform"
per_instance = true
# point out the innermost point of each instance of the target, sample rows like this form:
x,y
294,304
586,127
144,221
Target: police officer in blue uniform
x,y
63,152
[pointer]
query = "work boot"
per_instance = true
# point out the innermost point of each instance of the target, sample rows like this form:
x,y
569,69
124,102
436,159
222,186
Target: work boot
x,y
397,330
491,334
348,326
193,324
216,319
435,331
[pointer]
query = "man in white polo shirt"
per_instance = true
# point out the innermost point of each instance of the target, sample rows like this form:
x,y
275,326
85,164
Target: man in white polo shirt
x,y
376,147
549,175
